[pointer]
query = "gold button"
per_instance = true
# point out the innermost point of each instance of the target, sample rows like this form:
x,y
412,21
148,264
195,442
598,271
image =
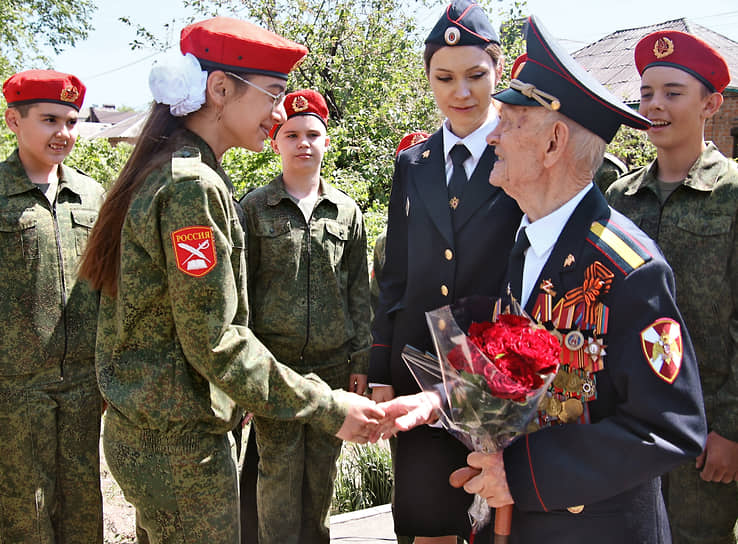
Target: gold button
x,y
576,509
449,254
444,290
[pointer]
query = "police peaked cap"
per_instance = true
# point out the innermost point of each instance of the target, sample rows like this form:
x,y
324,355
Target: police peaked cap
x,y
551,78
463,23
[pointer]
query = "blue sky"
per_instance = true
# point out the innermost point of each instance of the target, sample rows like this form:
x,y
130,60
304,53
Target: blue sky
x,y
116,75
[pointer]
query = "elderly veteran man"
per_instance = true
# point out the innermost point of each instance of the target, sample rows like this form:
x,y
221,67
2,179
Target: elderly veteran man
x,y
630,406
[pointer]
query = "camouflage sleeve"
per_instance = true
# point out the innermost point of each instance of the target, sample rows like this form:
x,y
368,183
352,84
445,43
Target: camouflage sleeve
x,y
206,310
725,415
253,248
358,296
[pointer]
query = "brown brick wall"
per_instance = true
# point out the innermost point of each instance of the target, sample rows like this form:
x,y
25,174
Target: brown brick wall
x,y
718,128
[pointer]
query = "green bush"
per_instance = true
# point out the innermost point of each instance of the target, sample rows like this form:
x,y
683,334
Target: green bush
x,y
364,478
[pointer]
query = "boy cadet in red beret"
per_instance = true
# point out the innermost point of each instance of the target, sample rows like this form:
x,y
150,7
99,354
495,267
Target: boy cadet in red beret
x,y
687,200
309,291
49,406
175,355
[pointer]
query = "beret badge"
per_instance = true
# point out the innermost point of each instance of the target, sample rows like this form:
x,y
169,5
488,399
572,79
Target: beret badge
x,y
300,103
663,47
452,35
69,94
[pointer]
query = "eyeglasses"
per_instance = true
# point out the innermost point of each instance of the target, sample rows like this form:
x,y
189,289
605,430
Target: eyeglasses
x,y
278,98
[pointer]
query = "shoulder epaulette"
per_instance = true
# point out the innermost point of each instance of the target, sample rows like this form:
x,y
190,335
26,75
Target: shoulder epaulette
x,y
186,163
620,248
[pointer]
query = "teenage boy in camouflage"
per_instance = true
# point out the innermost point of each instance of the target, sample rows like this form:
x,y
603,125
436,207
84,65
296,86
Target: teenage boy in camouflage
x,y
687,200
309,294
49,402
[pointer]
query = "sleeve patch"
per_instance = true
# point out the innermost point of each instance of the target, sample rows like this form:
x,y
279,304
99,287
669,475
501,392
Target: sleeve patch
x,y
618,246
662,346
194,249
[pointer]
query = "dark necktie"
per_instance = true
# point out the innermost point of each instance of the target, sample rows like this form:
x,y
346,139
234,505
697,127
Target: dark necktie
x,y
459,153
515,264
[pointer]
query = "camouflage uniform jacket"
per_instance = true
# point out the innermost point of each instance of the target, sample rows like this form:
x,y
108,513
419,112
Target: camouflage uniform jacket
x,y
377,266
49,317
174,353
308,280
697,231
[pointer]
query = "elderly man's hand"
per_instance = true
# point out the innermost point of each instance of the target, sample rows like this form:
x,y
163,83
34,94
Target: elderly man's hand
x,y
404,413
485,476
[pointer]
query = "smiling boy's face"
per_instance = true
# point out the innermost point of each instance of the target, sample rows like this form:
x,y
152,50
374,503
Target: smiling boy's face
x,y
46,133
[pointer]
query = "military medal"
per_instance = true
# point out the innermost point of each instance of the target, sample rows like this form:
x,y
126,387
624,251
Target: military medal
x,y
571,410
573,340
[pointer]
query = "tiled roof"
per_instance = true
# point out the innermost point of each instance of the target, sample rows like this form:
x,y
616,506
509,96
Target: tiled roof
x,y
610,59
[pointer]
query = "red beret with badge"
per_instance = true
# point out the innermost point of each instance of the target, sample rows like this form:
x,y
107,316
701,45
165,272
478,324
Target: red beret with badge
x,y
410,140
33,86
685,52
303,102
223,43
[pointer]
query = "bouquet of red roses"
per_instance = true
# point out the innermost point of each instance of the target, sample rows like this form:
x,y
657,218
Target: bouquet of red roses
x,y
494,365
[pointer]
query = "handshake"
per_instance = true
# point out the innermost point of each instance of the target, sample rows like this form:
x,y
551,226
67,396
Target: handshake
x,y
368,421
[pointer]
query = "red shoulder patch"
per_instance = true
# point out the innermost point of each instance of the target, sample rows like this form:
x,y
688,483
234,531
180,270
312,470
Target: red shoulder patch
x,y
194,249
662,346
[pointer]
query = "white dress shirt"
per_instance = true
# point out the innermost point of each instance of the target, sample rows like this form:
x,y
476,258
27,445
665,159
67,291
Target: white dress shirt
x,y
543,235
476,143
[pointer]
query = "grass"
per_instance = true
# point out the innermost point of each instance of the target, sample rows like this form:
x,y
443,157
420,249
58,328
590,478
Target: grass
x,y
364,478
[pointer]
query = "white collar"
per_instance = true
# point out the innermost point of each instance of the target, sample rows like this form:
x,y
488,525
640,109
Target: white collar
x,y
544,232
476,142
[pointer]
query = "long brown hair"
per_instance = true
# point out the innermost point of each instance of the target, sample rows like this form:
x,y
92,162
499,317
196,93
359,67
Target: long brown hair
x,y
101,260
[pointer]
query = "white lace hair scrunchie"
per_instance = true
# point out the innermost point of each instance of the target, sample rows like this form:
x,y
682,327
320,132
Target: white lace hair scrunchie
x,y
179,81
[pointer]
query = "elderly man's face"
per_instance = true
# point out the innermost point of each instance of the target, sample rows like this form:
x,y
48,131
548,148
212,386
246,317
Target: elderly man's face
x,y
519,147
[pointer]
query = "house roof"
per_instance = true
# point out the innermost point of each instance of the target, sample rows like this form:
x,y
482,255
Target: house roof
x,y
111,116
610,59
126,129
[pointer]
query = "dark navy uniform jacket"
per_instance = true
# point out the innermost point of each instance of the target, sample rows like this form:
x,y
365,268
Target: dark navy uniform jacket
x,y
641,425
431,260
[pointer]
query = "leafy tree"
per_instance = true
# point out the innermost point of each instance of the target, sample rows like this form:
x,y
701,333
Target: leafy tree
x,y
98,159
633,147
28,27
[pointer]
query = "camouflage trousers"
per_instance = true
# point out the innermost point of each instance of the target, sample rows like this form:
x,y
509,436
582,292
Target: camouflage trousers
x,y
184,486
49,458
297,467
700,512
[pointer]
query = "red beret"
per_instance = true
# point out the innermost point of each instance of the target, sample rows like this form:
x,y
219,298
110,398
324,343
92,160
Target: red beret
x,y
44,86
685,52
303,102
223,43
410,140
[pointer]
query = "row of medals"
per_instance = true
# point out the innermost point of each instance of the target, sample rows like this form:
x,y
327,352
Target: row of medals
x,y
571,387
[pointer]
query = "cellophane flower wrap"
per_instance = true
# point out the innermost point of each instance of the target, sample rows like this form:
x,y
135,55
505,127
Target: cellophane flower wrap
x,y
492,368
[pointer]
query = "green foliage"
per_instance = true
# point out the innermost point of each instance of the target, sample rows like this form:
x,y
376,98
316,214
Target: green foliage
x,y
27,27
364,478
632,147
98,159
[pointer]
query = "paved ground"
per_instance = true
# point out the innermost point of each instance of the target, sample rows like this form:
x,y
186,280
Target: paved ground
x,y
370,526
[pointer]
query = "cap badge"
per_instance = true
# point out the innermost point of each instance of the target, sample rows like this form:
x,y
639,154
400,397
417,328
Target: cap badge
x,y
300,103
663,47
452,35
69,94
